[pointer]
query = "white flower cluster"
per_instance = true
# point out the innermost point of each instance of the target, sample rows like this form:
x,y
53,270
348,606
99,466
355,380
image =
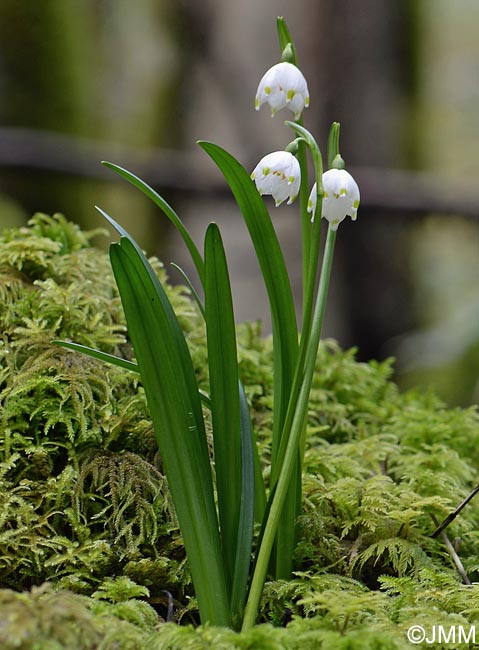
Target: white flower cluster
x,y
278,174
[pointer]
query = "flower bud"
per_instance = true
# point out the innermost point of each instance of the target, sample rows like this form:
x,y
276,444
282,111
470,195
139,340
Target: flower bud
x,y
340,197
288,54
283,86
278,174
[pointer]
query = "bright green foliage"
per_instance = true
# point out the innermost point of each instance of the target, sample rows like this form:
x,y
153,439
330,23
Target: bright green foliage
x,y
168,377
124,495
53,620
84,505
73,507
120,597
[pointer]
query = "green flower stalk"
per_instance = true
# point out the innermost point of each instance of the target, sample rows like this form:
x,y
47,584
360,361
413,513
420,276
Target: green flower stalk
x,y
344,199
294,441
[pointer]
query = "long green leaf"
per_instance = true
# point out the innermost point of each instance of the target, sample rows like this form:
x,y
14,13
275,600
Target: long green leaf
x,y
275,275
166,208
284,325
259,488
98,354
168,378
252,497
190,286
116,361
224,394
181,345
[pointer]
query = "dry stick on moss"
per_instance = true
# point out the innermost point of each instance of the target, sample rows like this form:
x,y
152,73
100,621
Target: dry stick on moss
x,y
454,514
171,605
452,552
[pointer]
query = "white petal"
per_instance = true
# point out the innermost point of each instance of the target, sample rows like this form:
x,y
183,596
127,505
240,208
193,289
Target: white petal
x,y
341,197
279,175
282,86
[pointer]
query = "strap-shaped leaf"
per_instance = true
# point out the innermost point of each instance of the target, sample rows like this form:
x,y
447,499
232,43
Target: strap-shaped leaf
x,y
233,436
225,407
190,286
98,354
166,208
284,325
116,361
253,498
273,268
258,482
172,393
181,345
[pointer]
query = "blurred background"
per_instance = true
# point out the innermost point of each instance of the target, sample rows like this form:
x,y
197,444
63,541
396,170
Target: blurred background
x,y
139,83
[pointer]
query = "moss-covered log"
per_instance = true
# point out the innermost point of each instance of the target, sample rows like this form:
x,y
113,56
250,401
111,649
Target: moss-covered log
x,y
84,504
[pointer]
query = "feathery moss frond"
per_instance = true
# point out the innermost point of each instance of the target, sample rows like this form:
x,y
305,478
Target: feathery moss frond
x,y
122,496
83,503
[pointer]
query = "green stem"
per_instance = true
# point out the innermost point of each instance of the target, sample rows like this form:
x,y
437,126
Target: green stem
x,y
305,218
299,420
286,533
311,277
309,284
285,541
303,347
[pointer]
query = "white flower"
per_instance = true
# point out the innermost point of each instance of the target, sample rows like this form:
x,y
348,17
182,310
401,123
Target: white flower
x,y
283,85
278,174
341,197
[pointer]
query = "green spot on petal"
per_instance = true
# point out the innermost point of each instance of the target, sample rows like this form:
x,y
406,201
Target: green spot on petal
x,y
356,204
290,94
267,90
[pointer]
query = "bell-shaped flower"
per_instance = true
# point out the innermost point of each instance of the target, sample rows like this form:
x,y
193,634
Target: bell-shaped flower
x,y
278,174
340,198
283,86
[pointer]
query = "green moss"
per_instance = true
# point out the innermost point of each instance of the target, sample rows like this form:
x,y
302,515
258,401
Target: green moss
x,y
84,504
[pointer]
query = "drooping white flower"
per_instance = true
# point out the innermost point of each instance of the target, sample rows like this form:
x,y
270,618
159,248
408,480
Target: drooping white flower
x,y
341,197
283,86
278,174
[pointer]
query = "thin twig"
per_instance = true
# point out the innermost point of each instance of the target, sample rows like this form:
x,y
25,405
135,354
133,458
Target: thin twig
x,y
454,514
171,604
452,552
